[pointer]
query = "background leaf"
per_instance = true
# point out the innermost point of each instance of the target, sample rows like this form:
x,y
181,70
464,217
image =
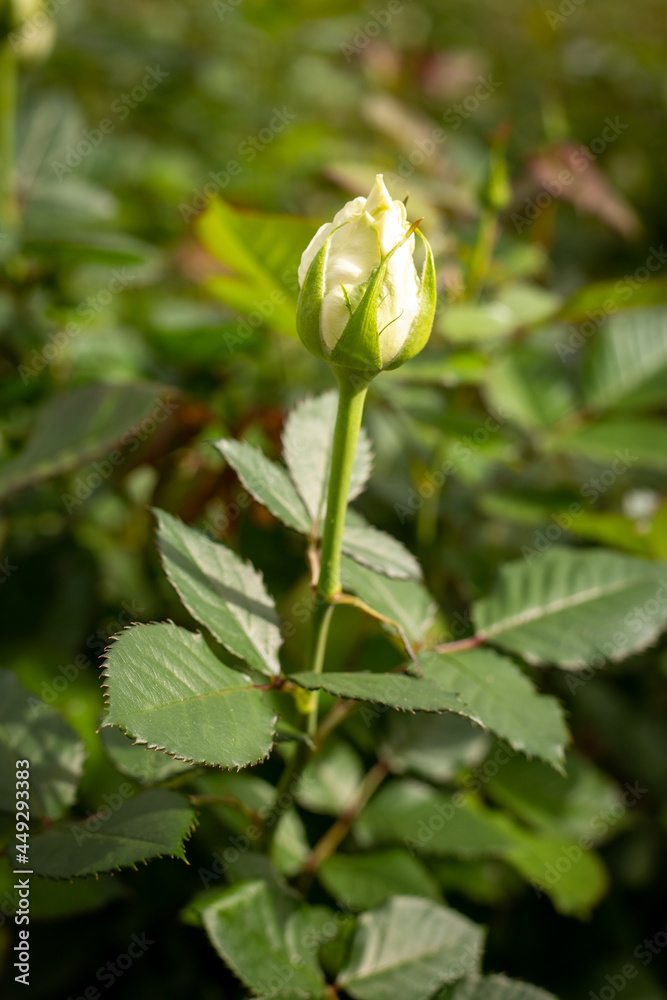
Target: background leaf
x,y
264,253
242,799
628,360
364,881
635,441
423,819
77,427
407,948
573,608
435,747
151,825
497,988
331,779
32,730
584,802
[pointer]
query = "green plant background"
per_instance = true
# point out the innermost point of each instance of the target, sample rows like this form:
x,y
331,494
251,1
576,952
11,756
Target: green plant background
x,y
203,319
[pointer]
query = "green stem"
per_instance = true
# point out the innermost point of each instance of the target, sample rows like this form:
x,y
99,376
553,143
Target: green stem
x,y
352,390
482,253
302,754
352,395
8,209
321,622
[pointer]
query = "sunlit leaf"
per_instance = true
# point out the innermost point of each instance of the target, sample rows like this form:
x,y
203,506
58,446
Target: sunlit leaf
x,y
167,689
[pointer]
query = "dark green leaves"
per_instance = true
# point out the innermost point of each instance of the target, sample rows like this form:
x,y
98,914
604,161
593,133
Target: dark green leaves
x,y
571,607
31,730
363,881
263,947
78,426
221,591
406,602
628,359
153,824
502,699
408,948
497,988
428,821
167,689
410,694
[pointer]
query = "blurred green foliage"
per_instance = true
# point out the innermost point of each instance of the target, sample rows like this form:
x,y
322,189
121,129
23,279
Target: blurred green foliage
x,y
133,326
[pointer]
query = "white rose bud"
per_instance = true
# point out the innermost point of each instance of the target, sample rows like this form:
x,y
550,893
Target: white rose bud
x,y
362,304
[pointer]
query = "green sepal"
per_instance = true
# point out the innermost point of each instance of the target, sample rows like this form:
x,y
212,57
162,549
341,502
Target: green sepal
x,y
420,330
359,343
309,305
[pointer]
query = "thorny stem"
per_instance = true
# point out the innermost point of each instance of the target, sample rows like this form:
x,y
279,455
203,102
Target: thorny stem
x,y
351,398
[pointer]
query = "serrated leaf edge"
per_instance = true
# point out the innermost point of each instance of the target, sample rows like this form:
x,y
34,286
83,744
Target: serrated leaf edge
x,y
155,746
